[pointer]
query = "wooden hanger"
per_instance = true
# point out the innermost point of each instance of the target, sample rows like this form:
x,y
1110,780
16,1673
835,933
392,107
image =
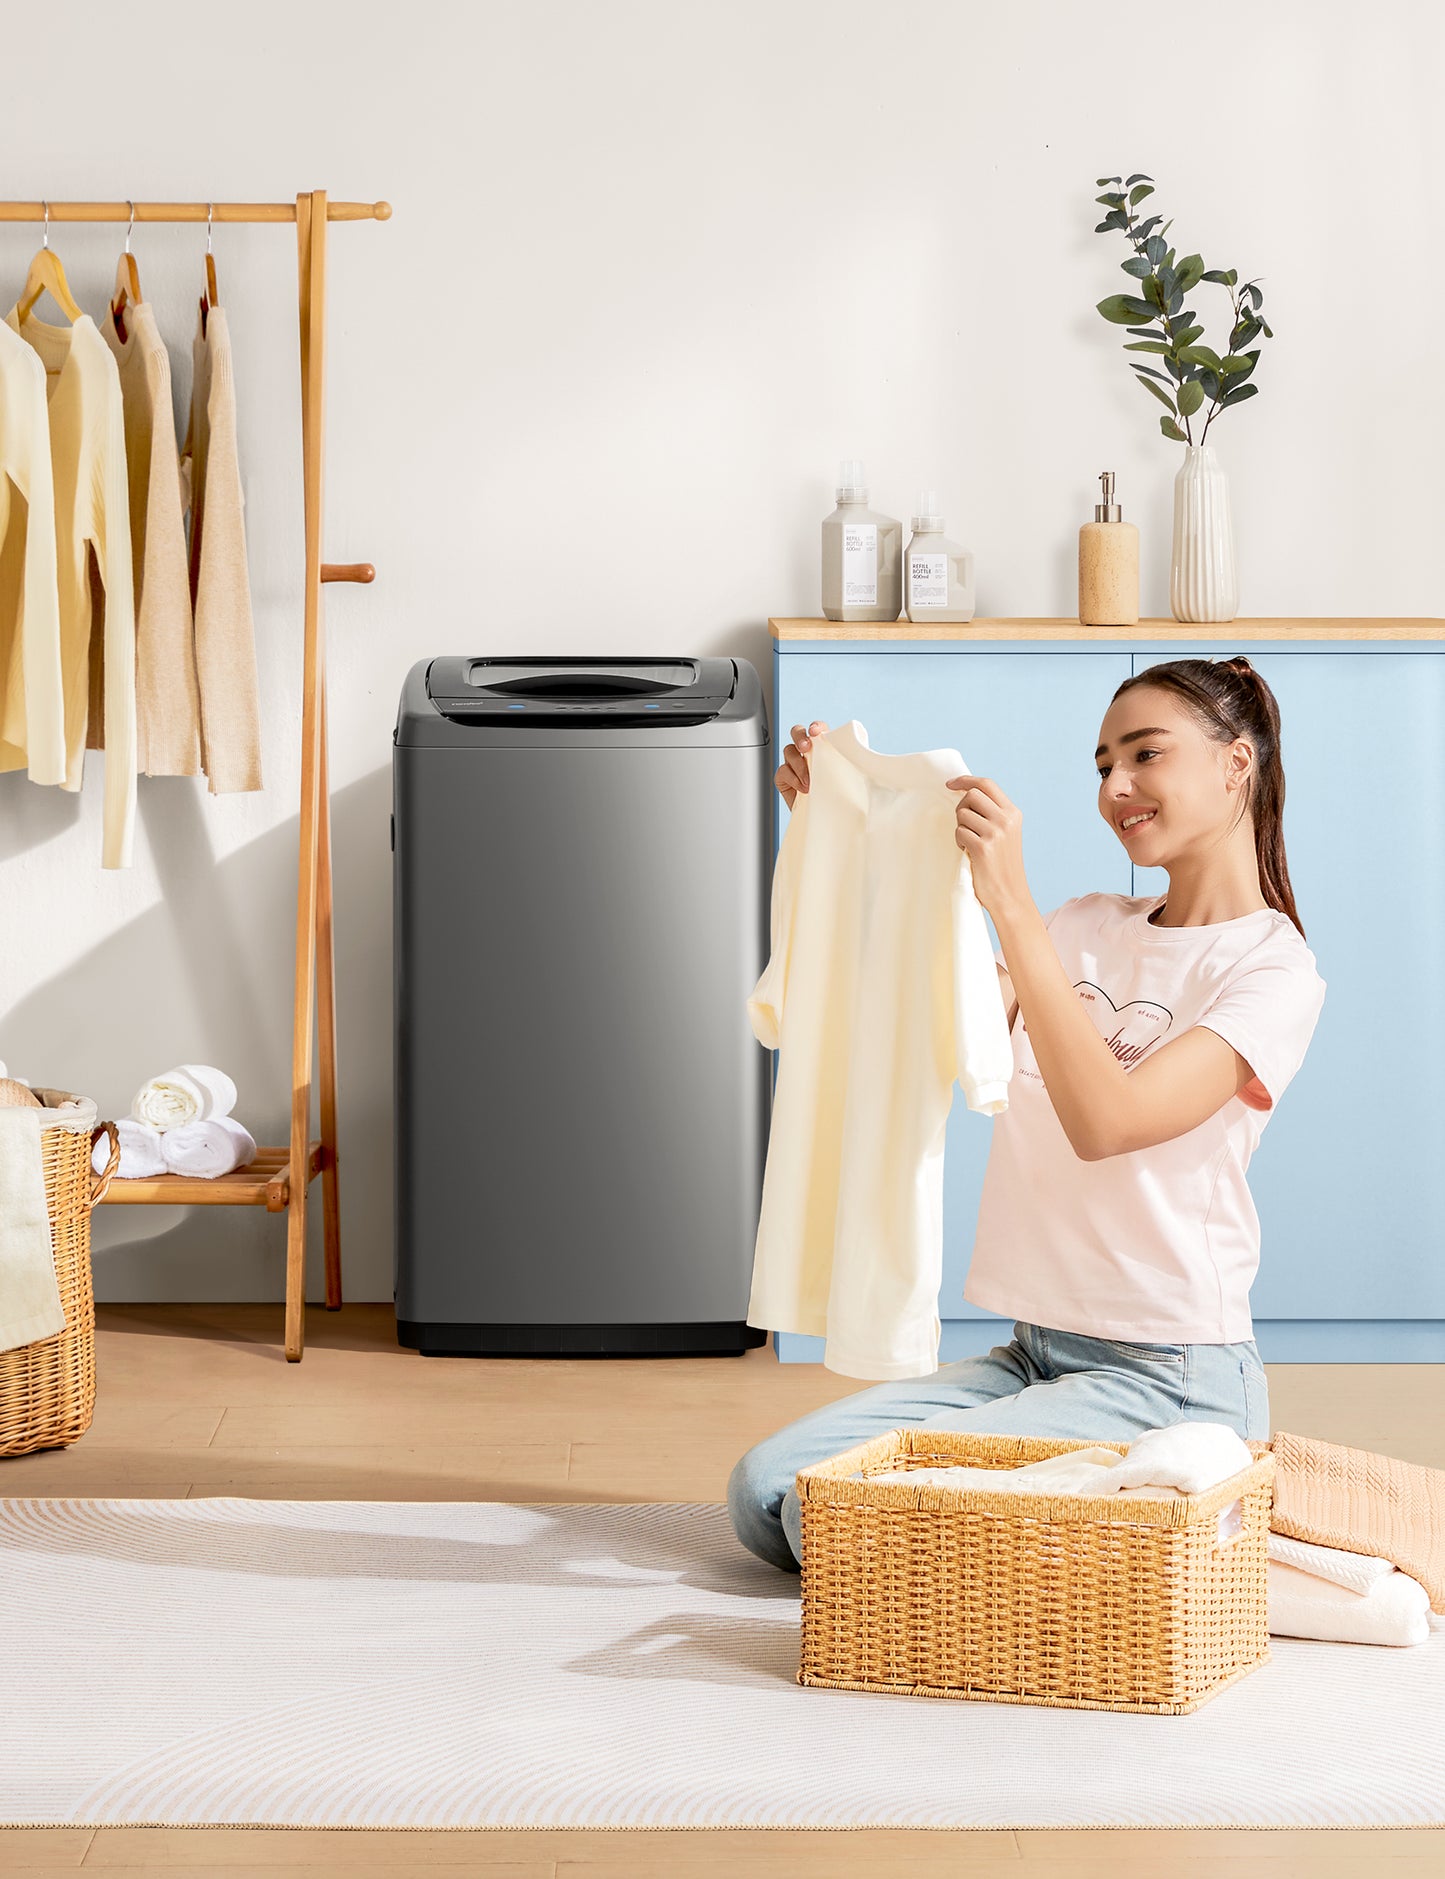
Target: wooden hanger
x,y
127,282
47,275
210,298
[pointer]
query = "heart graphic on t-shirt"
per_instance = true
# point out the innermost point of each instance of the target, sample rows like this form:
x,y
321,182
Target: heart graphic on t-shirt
x,y
1129,1029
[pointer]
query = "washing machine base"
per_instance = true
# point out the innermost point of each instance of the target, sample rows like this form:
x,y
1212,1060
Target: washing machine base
x,y
726,1339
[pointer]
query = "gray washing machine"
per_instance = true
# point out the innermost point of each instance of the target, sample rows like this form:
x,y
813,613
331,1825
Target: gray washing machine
x,y
581,871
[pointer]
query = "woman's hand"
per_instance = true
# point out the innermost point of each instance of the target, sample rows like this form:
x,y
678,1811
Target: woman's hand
x,y
792,773
990,833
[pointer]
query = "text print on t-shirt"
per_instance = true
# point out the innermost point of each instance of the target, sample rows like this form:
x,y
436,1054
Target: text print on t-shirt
x,y
1130,1030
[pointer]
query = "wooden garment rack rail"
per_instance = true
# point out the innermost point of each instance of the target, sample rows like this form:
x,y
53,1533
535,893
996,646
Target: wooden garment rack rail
x,y
279,1178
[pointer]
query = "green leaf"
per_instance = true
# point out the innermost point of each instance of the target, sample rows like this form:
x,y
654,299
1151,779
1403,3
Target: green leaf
x,y
1145,332
1210,381
1135,265
1190,271
1103,182
1154,294
1255,296
1111,201
1186,335
1149,370
1200,355
1156,249
1238,395
1243,333
1171,429
1118,308
1231,365
1147,345
1140,309
1137,195
1218,276
1191,396
1114,219
1137,177
1146,228
1163,397
1268,331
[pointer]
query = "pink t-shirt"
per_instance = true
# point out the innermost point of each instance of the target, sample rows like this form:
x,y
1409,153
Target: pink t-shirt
x,y
1160,1244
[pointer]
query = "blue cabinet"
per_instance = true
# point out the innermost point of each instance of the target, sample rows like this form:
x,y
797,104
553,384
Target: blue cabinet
x,y
1345,1179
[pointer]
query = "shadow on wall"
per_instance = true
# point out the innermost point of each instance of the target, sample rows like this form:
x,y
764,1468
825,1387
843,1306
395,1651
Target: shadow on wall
x,y
186,982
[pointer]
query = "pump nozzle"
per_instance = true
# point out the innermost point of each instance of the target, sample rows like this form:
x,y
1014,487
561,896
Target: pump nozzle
x,y
1108,510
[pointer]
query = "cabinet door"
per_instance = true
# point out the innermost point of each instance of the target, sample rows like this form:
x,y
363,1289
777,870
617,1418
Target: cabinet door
x,y
1346,1176
1030,721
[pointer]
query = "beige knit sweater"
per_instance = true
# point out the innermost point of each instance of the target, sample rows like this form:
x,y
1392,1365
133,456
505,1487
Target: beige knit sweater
x,y
220,585
168,707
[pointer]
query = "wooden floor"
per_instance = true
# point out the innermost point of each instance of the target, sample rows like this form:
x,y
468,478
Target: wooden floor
x,y
199,1399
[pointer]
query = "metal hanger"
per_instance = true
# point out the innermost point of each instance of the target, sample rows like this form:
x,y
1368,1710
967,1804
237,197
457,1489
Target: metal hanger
x,y
47,274
127,281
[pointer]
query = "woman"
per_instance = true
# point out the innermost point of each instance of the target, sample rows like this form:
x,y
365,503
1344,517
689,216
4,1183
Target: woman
x,y
1153,1035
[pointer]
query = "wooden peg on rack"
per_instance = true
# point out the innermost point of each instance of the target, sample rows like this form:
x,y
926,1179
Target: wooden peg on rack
x,y
361,571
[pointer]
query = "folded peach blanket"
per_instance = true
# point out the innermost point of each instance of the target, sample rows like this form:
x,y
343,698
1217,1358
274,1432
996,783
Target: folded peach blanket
x,y
1363,1503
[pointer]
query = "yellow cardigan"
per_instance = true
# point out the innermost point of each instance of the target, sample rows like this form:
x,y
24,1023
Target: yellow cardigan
x,y
92,517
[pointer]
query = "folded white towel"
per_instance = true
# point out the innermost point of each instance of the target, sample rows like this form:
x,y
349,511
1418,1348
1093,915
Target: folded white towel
x,y
1358,1571
140,1151
193,1092
209,1148
1190,1456
1395,1610
30,1307
1186,1456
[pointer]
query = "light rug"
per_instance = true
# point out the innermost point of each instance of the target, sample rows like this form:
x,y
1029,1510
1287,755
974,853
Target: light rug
x,y
458,1664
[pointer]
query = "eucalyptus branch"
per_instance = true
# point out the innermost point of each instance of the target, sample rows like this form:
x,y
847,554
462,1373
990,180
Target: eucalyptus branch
x,y
1196,370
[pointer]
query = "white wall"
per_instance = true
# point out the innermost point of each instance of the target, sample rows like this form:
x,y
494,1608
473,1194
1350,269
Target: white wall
x,y
653,268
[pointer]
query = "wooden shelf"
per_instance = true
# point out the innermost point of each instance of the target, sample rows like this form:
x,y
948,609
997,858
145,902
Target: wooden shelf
x,y
265,1183
1334,627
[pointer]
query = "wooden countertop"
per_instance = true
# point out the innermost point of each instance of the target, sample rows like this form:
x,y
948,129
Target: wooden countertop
x,y
1333,627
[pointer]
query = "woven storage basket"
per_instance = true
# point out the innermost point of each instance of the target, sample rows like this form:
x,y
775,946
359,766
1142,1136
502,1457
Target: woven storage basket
x,y
1078,1601
47,1389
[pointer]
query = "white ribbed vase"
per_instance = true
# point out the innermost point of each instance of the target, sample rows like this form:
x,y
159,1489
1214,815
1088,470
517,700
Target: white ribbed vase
x,y
1203,583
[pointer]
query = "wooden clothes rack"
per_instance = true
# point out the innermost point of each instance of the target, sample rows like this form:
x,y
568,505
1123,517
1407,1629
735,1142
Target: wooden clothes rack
x,y
279,1177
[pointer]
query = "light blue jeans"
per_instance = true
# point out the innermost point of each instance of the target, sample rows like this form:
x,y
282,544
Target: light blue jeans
x,y
1043,1382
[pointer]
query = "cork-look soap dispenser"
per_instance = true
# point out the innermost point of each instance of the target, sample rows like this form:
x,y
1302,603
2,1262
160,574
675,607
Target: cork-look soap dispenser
x,y
1108,564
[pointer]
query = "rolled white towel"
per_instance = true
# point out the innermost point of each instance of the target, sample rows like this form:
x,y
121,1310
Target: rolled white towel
x,y
1396,1609
140,1151
208,1149
193,1092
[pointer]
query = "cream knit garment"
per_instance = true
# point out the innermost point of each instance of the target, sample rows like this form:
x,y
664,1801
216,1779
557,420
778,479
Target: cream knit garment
x,y
881,990
168,710
220,585
92,515
32,714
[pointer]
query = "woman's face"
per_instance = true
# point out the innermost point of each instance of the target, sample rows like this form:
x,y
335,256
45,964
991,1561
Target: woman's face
x,y
1173,776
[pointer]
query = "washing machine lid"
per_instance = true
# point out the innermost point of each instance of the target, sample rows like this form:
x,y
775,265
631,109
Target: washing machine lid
x,y
580,691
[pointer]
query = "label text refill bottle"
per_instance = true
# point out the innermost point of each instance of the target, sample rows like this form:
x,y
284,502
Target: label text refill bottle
x,y
937,573
862,554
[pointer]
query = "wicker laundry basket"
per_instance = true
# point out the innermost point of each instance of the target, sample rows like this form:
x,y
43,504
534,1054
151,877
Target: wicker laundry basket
x,y
1078,1601
47,1389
